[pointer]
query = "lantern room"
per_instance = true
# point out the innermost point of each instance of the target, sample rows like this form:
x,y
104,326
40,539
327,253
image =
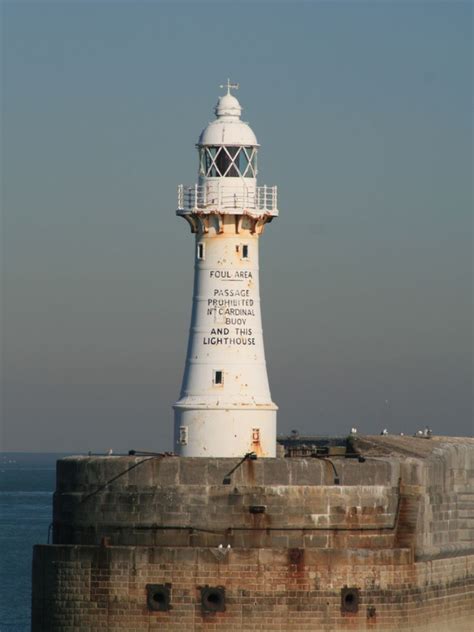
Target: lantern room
x,y
227,161
227,176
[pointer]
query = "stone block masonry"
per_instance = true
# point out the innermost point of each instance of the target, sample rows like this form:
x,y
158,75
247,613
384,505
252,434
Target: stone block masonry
x,y
167,543
91,588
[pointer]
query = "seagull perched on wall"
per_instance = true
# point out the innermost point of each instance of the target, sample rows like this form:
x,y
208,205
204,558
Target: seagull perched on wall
x,y
110,452
222,551
354,430
384,432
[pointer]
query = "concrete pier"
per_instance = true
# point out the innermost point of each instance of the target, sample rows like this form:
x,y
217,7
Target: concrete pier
x,y
143,543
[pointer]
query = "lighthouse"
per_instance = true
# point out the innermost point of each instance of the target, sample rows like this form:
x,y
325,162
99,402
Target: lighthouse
x,y
225,407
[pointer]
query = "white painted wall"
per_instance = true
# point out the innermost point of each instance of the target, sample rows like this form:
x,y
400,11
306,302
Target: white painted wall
x,y
236,416
226,335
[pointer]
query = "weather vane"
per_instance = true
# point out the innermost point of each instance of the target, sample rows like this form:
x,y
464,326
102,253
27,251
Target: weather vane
x,y
230,86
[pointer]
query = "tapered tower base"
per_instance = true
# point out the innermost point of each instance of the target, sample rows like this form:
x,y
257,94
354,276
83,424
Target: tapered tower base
x,y
228,433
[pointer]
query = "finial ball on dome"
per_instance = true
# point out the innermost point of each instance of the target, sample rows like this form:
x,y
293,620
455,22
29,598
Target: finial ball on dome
x,y
228,105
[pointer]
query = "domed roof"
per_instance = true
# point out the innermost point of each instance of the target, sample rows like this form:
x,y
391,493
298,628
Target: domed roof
x,y
227,129
220,132
228,105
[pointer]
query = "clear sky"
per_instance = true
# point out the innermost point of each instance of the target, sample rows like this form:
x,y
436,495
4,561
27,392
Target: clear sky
x,y
363,111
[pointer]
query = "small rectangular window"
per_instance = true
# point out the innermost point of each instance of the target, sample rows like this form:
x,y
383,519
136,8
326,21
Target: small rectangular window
x,y
245,251
218,377
183,435
200,251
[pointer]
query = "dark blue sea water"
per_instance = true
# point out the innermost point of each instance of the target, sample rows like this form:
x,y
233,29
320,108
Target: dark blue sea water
x,y
26,487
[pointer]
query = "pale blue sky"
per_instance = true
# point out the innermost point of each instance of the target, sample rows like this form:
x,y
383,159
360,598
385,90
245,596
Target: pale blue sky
x,y
363,111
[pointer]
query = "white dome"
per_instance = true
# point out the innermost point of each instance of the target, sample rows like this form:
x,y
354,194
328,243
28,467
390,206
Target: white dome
x,y
227,132
228,105
227,129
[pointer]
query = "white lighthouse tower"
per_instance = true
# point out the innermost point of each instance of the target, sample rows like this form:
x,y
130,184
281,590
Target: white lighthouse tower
x,y
225,408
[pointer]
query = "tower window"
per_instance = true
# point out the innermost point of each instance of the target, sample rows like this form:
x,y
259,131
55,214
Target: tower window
x,y
183,435
218,377
245,251
200,251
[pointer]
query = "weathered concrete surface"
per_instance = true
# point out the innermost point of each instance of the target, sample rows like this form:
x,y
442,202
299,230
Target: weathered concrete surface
x,y
409,492
183,501
399,527
437,476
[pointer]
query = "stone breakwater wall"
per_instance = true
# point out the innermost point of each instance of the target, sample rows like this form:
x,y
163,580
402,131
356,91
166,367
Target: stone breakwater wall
x,y
94,588
269,502
163,543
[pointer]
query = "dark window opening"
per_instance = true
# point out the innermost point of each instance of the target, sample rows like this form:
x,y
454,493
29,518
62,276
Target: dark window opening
x,y
158,597
200,251
218,377
349,600
183,435
222,161
245,251
213,599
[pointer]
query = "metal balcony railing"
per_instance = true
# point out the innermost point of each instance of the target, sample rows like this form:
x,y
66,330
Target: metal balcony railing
x,y
195,198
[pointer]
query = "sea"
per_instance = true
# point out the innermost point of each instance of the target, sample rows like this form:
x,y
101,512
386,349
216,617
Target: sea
x,y
27,483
